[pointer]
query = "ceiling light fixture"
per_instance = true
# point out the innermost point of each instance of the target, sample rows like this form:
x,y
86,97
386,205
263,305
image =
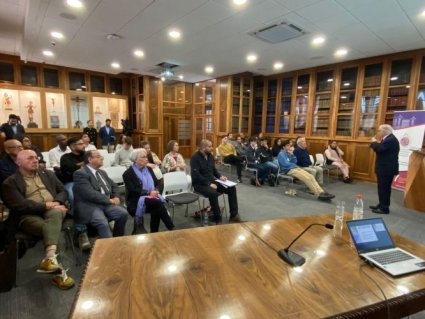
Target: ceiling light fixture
x,y
209,69
278,65
239,2
139,53
423,13
341,52
174,34
115,65
74,3
113,36
48,53
56,35
181,76
251,58
394,78
318,40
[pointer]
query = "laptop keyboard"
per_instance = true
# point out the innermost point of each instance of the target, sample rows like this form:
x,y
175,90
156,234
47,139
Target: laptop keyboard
x,y
391,257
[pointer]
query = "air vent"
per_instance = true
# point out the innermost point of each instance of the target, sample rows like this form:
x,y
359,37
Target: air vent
x,y
278,32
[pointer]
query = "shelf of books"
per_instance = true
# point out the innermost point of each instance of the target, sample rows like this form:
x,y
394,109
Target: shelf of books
x,y
301,104
285,105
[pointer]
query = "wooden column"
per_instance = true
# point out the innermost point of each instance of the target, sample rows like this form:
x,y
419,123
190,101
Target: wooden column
x,y
415,184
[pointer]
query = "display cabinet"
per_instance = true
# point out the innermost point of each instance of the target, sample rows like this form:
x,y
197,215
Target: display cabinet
x,y
271,105
285,105
258,105
301,104
346,102
204,105
322,103
420,97
241,104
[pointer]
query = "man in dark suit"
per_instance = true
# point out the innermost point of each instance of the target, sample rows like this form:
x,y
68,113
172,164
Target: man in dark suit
x,y
95,198
386,147
107,136
12,129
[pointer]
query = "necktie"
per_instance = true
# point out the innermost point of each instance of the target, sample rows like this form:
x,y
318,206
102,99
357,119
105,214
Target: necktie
x,y
102,184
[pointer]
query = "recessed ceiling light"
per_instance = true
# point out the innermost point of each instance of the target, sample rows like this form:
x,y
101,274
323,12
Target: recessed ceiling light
x,y
251,58
278,65
174,34
115,65
423,13
239,2
341,52
74,3
209,69
318,40
48,53
162,78
56,35
139,53
181,76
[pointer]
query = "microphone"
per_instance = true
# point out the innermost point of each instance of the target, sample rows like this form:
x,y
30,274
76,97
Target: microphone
x,y
292,258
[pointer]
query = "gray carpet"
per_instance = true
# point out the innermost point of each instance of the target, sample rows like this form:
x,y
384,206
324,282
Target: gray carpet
x,y
36,297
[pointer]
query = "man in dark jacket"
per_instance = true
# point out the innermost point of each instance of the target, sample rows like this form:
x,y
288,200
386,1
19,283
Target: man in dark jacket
x,y
107,136
12,129
204,176
386,147
8,162
36,199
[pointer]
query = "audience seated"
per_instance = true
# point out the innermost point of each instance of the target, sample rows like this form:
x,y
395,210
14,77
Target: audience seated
x,y
155,164
36,199
27,145
12,129
266,156
8,163
86,140
120,143
122,155
143,195
240,147
96,198
90,130
288,165
173,160
229,155
303,160
56,153
333,156
204,174
276,146
253,158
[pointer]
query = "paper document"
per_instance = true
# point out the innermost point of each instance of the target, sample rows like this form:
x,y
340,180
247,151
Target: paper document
x,y
226,183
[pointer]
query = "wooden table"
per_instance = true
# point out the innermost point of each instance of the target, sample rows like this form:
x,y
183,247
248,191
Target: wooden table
x,y
233,271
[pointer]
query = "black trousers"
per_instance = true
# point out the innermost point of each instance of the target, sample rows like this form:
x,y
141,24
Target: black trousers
x,y
235,161
212,195
158,212
384,191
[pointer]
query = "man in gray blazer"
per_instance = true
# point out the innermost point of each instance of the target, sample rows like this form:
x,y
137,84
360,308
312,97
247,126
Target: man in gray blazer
x,y
95,198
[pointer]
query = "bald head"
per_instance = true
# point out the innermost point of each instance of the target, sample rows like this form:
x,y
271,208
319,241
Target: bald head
x,y
27,161
12,147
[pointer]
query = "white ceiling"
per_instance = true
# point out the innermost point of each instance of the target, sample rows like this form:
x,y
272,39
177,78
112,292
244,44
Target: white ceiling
x,y
214,32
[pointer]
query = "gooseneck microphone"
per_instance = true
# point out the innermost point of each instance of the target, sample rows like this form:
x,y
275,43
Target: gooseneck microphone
x,y
292,258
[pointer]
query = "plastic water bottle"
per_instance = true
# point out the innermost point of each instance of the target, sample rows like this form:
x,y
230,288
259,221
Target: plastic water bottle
x,y
339,219
205,216
358,208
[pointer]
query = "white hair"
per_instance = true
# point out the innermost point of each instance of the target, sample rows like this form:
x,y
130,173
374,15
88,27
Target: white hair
x,y
135,154
387,129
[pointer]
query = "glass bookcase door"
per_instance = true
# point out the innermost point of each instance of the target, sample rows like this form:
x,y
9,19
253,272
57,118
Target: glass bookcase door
x,y
285,105
258,105
322,103
346,102
420,97
399,87
301,104
271,106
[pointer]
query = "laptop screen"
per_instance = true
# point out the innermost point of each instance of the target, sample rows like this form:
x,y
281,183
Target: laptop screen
x,y
369,235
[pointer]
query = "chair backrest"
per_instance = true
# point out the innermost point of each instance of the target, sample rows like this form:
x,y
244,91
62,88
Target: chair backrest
x,y
312,159
320,159
111,158
103,152
218,157
115,173
46,158
175,182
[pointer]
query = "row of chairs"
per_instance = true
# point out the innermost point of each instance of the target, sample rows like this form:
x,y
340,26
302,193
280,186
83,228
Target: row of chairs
x,y
108,158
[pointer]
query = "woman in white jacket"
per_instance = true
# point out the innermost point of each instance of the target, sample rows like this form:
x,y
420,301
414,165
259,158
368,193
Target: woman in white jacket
x,y
334,157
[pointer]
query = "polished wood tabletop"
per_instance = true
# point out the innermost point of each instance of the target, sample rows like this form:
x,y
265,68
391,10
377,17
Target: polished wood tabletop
x,y
233,271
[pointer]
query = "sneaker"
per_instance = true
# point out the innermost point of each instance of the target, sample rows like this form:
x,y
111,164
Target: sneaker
x,y
63,281
83,241
235,219
239,180
48,265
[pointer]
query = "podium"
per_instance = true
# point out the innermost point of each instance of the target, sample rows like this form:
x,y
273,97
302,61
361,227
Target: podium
x,y
414,194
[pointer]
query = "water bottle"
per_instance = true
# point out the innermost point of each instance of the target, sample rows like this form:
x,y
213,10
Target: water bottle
x,y
358,208
339,219
205,216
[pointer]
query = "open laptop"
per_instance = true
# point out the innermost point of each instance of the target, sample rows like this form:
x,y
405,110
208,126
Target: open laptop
x,y
374,243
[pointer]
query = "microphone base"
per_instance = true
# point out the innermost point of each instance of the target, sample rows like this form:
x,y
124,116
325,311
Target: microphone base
x,y
291,258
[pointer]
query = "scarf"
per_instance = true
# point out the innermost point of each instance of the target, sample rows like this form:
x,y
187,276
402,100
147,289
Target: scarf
x,y
146,181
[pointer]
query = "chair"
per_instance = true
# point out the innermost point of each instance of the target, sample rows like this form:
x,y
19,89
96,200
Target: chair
x,y
111,158
115,174
321,161
250,169
312,159
280,174
176,191
220,161
46,159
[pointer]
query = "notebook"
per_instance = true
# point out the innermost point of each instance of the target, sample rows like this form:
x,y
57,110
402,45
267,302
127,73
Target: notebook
x,y
374,243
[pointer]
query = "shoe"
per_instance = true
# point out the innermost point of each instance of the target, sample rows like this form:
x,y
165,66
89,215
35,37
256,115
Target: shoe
x,y
63,281
271,182
235,219
374,207
330,195
83,241
325,196
346,180
380,211
48,265
253,182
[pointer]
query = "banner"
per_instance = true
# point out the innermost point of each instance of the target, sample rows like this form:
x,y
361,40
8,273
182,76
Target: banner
x,y
409,128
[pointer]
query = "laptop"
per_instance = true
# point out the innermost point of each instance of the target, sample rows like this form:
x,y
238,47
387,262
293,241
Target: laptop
x,y
374,243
